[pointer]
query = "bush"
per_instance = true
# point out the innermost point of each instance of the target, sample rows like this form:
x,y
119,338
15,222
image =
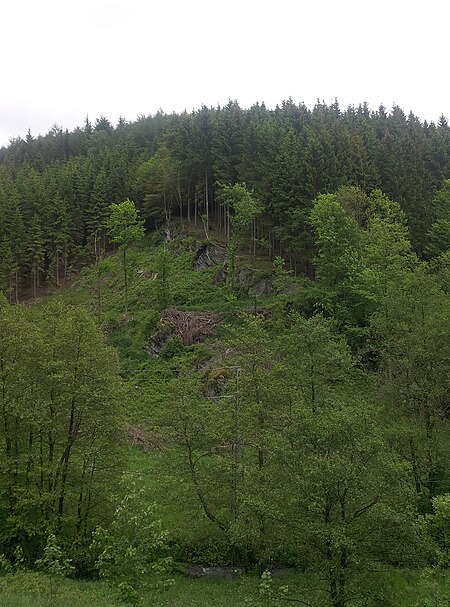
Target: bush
x,y
133,551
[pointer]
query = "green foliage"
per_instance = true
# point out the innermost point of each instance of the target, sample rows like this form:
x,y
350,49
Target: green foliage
x,y
125,228
163,290
60,423
280,275
123,224
158,183
151,324
438,235
319,359
363,245
243,205
7,267
411,330
438,526
434,588
5,565
54,564
337,239
133,550
56,188
440,267
23,589
305,432
172,348
242,209
53,561
352,506
411,588
270,597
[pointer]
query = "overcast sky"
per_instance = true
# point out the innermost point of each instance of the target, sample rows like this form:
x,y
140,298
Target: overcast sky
x,y
64,59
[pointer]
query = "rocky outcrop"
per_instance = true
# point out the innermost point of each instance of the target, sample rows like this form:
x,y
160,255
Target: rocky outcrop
x,y
245,278
251,281
209,255
159,340
262,286
220,276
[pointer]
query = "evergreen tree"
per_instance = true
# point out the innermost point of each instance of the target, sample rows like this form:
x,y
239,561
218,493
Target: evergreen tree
x,y
35,251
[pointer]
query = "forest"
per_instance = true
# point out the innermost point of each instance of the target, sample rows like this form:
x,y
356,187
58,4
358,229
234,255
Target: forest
x,y
225,350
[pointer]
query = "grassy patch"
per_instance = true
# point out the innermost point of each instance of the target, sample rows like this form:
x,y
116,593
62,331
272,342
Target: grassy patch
x,y
24,589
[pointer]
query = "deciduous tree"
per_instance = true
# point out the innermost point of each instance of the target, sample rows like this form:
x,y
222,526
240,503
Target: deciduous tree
x,y
125,228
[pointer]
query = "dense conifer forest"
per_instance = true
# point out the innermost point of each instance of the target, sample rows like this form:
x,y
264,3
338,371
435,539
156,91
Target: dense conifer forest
x,y
56,189
225,349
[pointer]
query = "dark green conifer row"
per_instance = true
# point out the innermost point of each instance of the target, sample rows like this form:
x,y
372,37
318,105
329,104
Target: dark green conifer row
x,y
55,190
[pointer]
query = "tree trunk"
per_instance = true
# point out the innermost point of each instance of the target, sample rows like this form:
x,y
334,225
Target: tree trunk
x,y
125,278
206,205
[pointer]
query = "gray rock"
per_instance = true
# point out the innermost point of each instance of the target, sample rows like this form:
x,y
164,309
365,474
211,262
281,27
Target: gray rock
x,y
245,277
220,276
248,280
159,340
197,571
209,255
263,286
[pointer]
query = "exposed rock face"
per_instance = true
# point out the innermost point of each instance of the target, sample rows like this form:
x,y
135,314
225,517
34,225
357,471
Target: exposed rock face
x,y
245,277
209,255
158,340
220,276
216,381
248,281
263,286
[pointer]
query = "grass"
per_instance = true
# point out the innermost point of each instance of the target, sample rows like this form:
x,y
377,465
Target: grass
x,y
25,589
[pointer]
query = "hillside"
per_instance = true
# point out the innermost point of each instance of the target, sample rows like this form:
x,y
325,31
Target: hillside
x,y
222,373
55,190
266,415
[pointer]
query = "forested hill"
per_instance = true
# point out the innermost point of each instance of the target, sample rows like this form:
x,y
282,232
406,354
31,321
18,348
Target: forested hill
x,y
55,190
266,372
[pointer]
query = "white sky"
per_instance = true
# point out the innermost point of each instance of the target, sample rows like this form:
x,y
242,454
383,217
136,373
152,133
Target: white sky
x,y
64,59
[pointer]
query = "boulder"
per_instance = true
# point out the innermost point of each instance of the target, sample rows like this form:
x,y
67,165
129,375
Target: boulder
x,y
197,571
159,340
220,276
209,255
263,286
245,277
248,280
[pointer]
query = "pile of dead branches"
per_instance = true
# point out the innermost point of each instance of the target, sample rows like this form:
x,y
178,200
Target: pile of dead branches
x,y
191,327
145,440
